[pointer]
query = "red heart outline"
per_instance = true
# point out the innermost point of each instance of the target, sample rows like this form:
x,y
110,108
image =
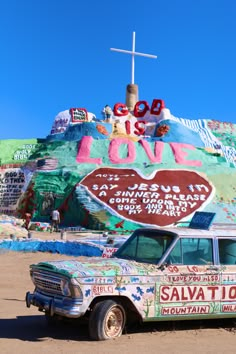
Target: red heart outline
x,y
160,199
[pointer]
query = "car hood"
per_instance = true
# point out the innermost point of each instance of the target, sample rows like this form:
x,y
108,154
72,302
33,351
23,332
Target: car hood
x,y
96,266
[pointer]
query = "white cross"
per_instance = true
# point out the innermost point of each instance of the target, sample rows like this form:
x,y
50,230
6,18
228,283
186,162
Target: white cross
x,y
133,53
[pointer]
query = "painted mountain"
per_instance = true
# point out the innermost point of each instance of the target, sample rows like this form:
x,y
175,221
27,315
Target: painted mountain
x,y
127,169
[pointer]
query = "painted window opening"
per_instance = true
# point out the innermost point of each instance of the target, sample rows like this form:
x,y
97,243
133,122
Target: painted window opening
x,y
191,251
227,251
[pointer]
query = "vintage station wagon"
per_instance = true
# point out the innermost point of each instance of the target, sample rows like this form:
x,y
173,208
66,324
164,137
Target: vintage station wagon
x,y
156,275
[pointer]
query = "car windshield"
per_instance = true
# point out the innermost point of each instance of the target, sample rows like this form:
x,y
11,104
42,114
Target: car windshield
x,y
146,246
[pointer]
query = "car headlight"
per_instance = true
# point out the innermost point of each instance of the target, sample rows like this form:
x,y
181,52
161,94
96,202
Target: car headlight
x,y
65,287
76,287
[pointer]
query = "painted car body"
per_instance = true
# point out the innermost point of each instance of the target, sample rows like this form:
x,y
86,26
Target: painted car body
x,y
163,274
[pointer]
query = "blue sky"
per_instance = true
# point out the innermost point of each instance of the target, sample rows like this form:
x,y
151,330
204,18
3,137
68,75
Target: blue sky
x,y
55,55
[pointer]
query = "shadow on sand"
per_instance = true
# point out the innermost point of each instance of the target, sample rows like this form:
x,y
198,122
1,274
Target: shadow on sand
x,y
36,328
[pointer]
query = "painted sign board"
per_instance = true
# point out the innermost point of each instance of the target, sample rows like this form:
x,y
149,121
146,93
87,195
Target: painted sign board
x,y
78,115
202,220
162,198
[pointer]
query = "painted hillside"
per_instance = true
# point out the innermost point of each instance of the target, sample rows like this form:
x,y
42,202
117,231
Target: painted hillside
x,y
123,170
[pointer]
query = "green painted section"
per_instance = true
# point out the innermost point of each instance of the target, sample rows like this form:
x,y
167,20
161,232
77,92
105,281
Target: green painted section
x,y
52,175
16,151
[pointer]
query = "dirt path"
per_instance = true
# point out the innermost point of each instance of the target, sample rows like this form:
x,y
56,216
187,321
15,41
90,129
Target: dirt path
x,y
25,330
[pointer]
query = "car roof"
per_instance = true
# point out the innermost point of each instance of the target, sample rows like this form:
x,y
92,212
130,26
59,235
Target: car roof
x,y
216,230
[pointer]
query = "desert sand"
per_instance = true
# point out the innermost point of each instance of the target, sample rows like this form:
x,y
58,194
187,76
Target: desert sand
x,y
24,330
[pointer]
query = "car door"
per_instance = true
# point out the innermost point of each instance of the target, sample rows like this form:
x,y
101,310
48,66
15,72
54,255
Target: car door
x,y
191,285
227,261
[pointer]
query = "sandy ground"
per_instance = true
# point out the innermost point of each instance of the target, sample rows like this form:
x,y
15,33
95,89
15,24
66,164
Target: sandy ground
x,y
24,330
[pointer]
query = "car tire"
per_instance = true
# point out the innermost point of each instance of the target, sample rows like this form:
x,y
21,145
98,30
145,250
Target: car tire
x,y
107,320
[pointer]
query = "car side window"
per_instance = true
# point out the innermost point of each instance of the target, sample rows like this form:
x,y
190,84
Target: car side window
x,y
147,248
175,256
227,251
197,251
190,251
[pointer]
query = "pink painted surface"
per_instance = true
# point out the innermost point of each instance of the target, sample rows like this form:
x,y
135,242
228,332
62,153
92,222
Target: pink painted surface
x,y
114,151
180,154
155,157
84,152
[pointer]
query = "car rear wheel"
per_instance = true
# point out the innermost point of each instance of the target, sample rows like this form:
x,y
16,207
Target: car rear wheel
x,y
107,320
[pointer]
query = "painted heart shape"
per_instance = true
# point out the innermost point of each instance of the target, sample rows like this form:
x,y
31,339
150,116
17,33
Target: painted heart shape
x,y
162,198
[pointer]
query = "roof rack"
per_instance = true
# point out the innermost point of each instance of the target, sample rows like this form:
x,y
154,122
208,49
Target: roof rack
x,y
223,226
214,226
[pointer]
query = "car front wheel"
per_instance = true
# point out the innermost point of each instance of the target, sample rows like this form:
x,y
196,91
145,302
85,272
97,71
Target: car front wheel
x,y
107,320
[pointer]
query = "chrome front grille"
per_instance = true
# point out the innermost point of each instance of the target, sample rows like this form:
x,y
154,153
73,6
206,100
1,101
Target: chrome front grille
x,y
47,283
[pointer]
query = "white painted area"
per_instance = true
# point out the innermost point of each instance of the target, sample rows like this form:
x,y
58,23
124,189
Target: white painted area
x,y
133,53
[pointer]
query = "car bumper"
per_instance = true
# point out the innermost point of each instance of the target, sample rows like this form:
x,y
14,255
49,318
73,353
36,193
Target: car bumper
x,y
67,307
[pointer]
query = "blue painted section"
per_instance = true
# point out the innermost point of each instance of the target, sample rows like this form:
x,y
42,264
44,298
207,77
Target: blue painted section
x,y
202,220
178,133
98,130
55,137
67,248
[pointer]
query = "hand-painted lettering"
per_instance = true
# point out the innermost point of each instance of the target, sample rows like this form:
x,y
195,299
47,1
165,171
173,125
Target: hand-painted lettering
x,y
84,151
